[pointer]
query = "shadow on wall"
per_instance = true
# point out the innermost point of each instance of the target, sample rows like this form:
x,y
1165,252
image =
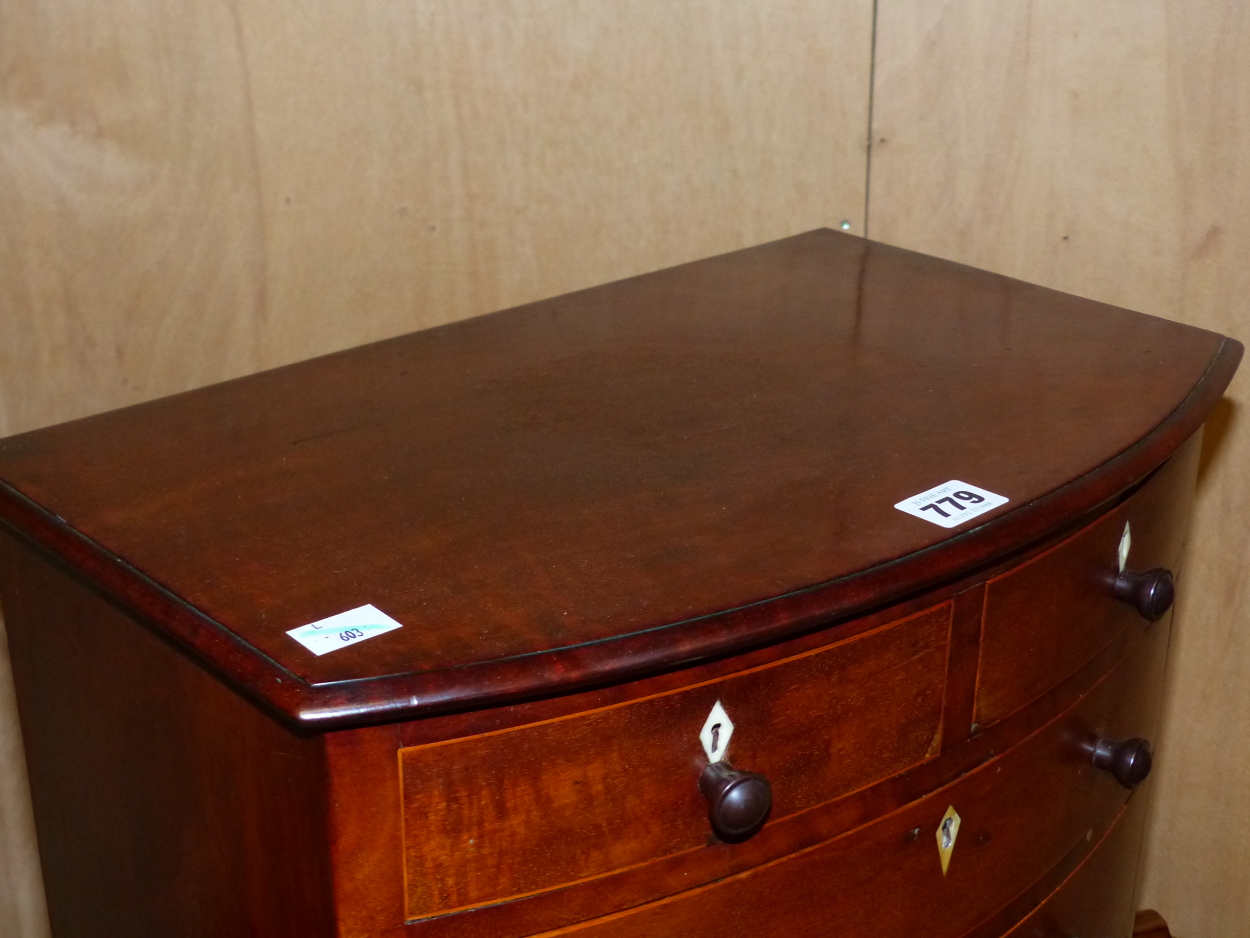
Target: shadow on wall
x,y
23,913
1218,426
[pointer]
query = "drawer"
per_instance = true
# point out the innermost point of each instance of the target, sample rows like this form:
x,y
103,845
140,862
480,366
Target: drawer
x,y
1022,813
1096,900
531,808
1047,617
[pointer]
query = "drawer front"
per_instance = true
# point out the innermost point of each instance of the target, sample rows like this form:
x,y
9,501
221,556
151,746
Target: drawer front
x,y
1096,901
1021,813
535,807
1047,617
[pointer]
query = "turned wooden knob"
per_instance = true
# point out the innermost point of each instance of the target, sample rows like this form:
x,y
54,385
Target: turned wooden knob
x,y
738,802
1128,761
1150,593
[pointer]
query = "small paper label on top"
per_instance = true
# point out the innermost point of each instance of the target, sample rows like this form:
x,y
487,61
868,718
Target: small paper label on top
x,y
952,503
346,628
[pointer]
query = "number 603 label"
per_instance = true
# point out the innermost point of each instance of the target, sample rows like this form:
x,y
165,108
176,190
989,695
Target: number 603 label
x,y
952,503
346,628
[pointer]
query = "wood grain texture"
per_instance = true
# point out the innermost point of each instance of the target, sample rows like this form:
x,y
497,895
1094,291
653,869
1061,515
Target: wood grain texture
x,y
192,194
470,157
1096,899
201,816
618,787
1100,148
132,244
967,612
1049,616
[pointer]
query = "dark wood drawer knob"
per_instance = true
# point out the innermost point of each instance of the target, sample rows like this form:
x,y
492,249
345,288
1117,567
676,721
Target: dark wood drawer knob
x,y
738,802
1150,593
1128,761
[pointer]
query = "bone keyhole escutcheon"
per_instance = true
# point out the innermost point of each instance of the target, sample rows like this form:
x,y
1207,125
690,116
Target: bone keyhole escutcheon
x,y
717,729
947,832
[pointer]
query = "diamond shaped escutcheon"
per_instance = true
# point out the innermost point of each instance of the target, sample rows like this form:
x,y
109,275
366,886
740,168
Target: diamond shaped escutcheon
x,y
715,734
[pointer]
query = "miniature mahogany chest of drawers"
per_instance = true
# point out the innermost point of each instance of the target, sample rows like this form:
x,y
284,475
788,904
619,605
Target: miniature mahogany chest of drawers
x,y
816,589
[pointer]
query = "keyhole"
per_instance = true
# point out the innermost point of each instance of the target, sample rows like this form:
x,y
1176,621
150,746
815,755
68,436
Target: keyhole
x,y
716,738
947,840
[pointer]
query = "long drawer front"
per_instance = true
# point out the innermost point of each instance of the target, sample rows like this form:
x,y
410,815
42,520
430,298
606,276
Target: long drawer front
x,y
1096,900
520,811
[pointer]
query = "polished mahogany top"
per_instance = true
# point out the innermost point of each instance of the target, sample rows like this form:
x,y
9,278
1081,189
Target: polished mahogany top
x,y
614,481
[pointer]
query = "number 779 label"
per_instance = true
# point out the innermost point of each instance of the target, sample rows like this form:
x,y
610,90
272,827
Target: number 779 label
x,y
951,504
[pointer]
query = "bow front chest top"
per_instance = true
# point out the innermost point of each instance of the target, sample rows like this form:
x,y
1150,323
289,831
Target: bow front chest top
x,y
820,588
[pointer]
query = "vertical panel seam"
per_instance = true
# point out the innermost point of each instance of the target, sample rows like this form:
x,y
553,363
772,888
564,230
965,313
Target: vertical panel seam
x,y
872,90
260,295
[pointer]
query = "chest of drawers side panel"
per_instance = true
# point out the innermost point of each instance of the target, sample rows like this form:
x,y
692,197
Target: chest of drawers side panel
x,y
504,814
165,803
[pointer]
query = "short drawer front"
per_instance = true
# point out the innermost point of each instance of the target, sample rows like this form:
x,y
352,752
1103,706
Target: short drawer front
x,y
1021,815
1047,617
532,808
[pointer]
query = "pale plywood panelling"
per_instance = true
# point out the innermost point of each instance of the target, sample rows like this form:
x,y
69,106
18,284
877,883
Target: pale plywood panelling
x,y
1199,841
423,162
1101,148
199,192
130,247
1032,137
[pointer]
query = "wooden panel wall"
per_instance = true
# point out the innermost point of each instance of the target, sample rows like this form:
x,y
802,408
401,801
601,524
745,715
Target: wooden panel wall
x,y
190,192
196,191
473,156
1104,148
